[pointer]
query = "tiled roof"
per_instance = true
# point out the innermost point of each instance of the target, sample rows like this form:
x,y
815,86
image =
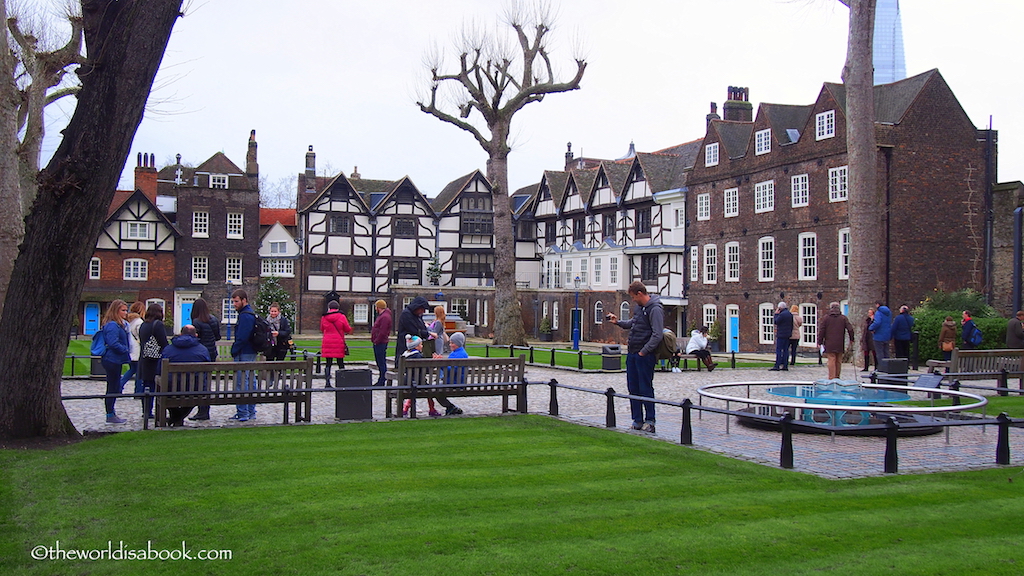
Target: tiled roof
x,y
270,216
660,169
120,197
735,136
556,184
617,173
585,183
522,199
891,100
452,191
786,117
219,164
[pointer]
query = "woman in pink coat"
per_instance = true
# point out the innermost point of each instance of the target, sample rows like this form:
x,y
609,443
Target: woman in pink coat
x,y
334,326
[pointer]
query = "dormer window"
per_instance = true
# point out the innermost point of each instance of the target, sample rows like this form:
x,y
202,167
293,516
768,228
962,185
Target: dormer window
x,y
825,125
763,141
219,181
711,154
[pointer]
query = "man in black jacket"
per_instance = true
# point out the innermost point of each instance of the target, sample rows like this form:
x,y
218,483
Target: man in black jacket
x,y
645,333
410,322
783,332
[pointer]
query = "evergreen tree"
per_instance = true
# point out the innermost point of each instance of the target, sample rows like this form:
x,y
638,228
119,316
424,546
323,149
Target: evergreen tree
x,y
270,291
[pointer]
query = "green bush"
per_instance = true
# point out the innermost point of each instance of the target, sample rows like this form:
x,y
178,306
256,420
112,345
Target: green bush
x,y
928,323
954,303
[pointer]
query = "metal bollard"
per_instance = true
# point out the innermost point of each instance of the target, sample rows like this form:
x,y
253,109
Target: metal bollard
x,y
609,420
531,354
1003,443
487,350
955,386
553,403
511,351
552,356
686,433
786,451
580,352
1004,383
892,459
732,363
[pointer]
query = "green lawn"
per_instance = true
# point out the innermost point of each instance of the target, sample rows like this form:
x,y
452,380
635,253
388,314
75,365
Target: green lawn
x,y
1012,405
505,495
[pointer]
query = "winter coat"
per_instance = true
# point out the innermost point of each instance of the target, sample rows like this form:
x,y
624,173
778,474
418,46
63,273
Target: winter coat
x,y
115,336
902,326
284,330
798,322
965,333
882,326
697,341
867,337
411,323
134,347
334,325
149,367
1014,334
186,348
831,331
209,334
947,333
646,327
381,330
783,325
243,331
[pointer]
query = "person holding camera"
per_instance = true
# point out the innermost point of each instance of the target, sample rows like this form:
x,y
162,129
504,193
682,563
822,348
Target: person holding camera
x,y
645,333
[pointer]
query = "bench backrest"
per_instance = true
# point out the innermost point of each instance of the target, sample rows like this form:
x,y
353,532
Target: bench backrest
x,y
467,371
986,360
270,377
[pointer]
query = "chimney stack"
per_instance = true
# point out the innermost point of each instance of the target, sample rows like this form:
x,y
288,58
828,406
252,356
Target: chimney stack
x,y
568,155
252,168
714,113
145,175
738,108
310,170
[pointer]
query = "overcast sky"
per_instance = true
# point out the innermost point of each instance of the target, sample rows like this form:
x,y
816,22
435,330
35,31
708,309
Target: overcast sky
x,y
343,76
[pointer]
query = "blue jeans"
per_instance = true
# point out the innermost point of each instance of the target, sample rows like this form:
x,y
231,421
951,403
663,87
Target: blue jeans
x,y
133,368
113,372
245,380
781,353
640,382
380,354
881,350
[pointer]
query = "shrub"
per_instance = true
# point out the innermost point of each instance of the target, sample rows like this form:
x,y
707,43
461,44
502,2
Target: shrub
x,y
957,302
928,324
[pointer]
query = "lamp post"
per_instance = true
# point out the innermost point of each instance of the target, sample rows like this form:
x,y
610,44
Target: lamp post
x,y
576,317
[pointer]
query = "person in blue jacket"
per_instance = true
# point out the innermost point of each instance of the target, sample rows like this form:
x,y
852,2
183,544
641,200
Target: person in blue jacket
x,y
882,329
242,351
185,347
115,337
902,332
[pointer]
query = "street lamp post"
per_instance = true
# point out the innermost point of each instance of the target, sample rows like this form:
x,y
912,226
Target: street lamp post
x,y
576,317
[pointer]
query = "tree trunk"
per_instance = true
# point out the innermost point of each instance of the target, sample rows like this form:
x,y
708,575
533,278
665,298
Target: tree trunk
x,y
125,42
508,315
11,222
867,205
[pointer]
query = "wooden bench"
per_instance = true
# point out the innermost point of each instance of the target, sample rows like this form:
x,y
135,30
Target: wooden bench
x,y
985,364
213,384
681,343
504,377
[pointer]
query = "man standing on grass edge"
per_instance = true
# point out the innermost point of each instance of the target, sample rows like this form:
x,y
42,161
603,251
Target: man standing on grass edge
x,y
645,333
242,351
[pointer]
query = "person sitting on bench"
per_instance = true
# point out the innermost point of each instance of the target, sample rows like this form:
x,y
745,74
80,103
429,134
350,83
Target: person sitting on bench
x,y
698,345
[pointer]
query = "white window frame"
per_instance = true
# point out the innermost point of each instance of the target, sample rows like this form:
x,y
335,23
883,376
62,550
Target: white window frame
x,y
228,313
809,330
764,196
680,217
554,315
807,258
844,254
838,184
732,261
624,310
583,271
95,268
799,190
280,247
694,264
236,225
597,271
704,206
135,269
766,323
544,309
731,202
138,231
233,271
282,267
201,270
711,154
459,307
766,259
361,313
568,274
710,264
710,315
219,181
598,313
825,125
613,271
201,224
762,141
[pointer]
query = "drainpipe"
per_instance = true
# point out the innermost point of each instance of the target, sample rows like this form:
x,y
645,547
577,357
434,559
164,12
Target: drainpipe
x,y
887,153
990,181
1018,229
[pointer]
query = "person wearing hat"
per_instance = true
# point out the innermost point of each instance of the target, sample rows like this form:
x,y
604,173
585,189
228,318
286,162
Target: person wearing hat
x,y
410,323
379,335
457,342
414,349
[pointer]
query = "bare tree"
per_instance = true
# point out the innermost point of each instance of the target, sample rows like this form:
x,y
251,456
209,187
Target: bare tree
x,y
125,42
867,209
31,78
277,194
496,80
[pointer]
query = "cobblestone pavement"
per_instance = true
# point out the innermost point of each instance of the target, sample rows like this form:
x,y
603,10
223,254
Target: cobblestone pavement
x,y
965,448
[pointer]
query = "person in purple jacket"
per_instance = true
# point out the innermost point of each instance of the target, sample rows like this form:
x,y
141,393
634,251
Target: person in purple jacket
x,y
380,333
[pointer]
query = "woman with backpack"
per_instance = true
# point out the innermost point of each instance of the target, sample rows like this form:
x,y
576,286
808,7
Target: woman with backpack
x,y
115,356
149,361
334,326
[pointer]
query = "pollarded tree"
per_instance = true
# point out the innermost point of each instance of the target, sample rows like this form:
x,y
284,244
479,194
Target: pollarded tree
x,y
493,81
125,41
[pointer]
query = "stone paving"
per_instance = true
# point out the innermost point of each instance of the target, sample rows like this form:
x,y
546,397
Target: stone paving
x,y
966,448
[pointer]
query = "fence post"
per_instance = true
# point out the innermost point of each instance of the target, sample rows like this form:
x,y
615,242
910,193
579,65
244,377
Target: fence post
x,y
553,403
786,451
1003,443
552,356
511,350
580,352
1004,383
531,354
955,386
609,419
733,361
487,350
892,459
686,433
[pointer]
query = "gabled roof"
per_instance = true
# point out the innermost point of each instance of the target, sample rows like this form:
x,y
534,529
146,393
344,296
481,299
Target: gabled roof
x,y
450,192
891,100
120,197
617,174
339,181
271,216
786,117
734,136
124,197
687,151
556,182
584,180
387,190
373,192
659,169
219,163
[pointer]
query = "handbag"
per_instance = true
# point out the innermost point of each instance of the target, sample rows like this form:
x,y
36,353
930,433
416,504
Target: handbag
x,y
947,346
151,349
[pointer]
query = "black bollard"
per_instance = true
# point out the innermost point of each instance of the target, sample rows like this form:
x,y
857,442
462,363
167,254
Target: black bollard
x,y
955,386
732,362
1004,383
552,356
553,403
786,451
892,459
511,351
686,433
609,420
581,359
531,354
1003,443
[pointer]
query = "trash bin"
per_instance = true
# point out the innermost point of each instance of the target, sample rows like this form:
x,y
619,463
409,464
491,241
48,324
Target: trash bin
x,y
892,365
96,369
356,404
611,357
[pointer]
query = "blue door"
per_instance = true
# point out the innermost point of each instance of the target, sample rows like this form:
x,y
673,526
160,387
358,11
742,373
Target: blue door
x,y
734,330
92,318
186,314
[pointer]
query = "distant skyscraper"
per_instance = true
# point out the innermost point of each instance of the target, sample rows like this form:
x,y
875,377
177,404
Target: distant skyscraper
x,y
888,50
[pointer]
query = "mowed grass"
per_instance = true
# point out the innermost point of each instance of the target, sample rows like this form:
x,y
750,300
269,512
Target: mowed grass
x,y
504,495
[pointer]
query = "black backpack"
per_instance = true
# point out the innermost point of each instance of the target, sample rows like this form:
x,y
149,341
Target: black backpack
x,y
261,338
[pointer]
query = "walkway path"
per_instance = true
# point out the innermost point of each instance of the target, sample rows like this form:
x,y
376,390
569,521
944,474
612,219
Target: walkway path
x,y
830,457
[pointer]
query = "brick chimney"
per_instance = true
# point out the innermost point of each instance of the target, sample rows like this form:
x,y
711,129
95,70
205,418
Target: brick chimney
x,y
714,113
252,167
145,175
738,107
568,155
310,170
